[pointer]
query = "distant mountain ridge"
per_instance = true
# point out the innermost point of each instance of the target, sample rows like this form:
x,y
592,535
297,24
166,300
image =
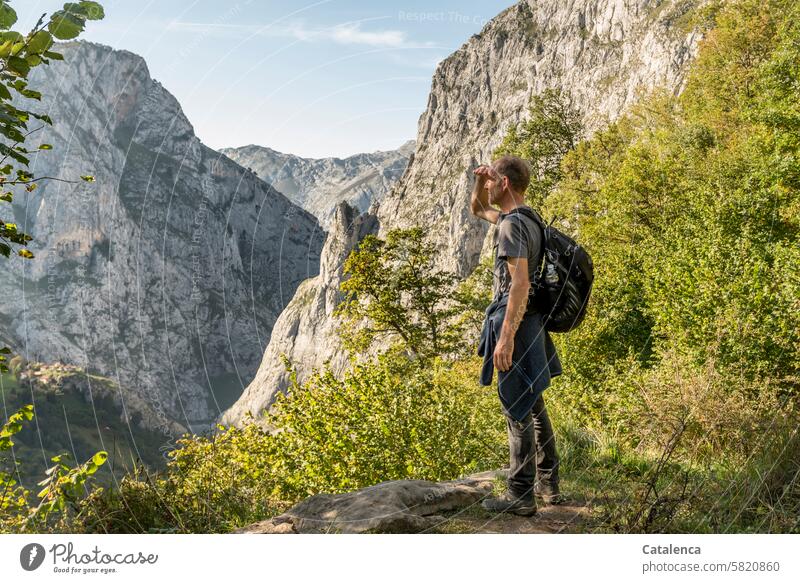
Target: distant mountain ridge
x,y
320,184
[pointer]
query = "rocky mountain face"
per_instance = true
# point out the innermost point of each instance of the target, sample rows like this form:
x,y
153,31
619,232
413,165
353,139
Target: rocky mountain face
x,y
168,272
308,318
319,184
601,52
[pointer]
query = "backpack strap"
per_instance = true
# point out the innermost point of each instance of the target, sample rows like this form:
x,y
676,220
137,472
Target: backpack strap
x,y
534,216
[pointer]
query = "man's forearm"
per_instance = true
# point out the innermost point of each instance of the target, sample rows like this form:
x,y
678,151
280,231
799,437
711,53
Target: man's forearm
x,y
480,196
515,310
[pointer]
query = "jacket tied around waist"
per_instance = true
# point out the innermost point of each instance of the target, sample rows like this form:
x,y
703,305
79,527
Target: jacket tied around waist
x,y
534,361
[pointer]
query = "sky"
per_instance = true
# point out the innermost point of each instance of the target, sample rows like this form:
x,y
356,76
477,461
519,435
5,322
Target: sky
x,y
312,78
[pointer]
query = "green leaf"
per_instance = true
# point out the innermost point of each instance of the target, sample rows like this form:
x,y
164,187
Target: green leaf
x,y
11,35
54,56
33,60
87,178
85,9
19,66
45,147
4,92
7,16
25,253
41,117
30,93
65,25
40,42
5,250
100,458
92,10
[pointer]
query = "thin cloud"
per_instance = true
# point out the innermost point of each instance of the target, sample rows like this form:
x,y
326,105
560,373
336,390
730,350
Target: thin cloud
x,y
353,35
347,33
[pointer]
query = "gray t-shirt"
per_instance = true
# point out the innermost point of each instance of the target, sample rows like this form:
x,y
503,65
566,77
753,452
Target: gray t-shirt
x,y
515,235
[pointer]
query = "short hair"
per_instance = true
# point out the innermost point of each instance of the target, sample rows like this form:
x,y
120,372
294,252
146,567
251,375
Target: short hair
x,y
516,169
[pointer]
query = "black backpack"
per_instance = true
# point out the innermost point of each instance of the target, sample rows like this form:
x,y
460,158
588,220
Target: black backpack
x,y
563,279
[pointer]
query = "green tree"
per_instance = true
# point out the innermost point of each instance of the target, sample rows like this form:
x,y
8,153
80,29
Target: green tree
x,y
554,127
394,285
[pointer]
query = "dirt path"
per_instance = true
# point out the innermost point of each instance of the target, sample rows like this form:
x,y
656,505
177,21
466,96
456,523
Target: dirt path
x,y
573,516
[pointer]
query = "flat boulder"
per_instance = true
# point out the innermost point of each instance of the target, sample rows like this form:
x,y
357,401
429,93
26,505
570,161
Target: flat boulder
x,y
404,506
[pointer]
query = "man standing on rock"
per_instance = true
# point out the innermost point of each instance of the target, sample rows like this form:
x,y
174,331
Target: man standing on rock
x,y
514,340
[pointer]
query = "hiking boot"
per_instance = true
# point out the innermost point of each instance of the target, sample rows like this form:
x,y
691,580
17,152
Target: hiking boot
x,y
510,503
547,492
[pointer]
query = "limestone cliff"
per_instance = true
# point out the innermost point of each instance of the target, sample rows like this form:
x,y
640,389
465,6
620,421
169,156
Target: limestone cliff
x,y
168,272
304,328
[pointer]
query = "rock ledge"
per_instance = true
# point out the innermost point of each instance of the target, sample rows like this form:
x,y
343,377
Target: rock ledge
x,y
407,506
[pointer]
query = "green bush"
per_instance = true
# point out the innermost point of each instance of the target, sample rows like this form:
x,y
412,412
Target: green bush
x,y
61,495
389,419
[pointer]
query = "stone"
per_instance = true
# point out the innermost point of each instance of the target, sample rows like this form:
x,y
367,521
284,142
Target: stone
x,y
400,506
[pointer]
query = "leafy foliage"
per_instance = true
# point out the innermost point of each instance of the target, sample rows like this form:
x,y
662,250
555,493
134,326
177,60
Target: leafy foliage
x,y
394,285
554,126
63,486
387,419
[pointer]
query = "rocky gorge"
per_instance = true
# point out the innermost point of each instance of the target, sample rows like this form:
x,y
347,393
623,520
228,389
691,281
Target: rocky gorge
x,y
166,274
602,53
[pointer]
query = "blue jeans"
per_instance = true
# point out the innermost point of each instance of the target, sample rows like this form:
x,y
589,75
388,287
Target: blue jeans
x,y
532,451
